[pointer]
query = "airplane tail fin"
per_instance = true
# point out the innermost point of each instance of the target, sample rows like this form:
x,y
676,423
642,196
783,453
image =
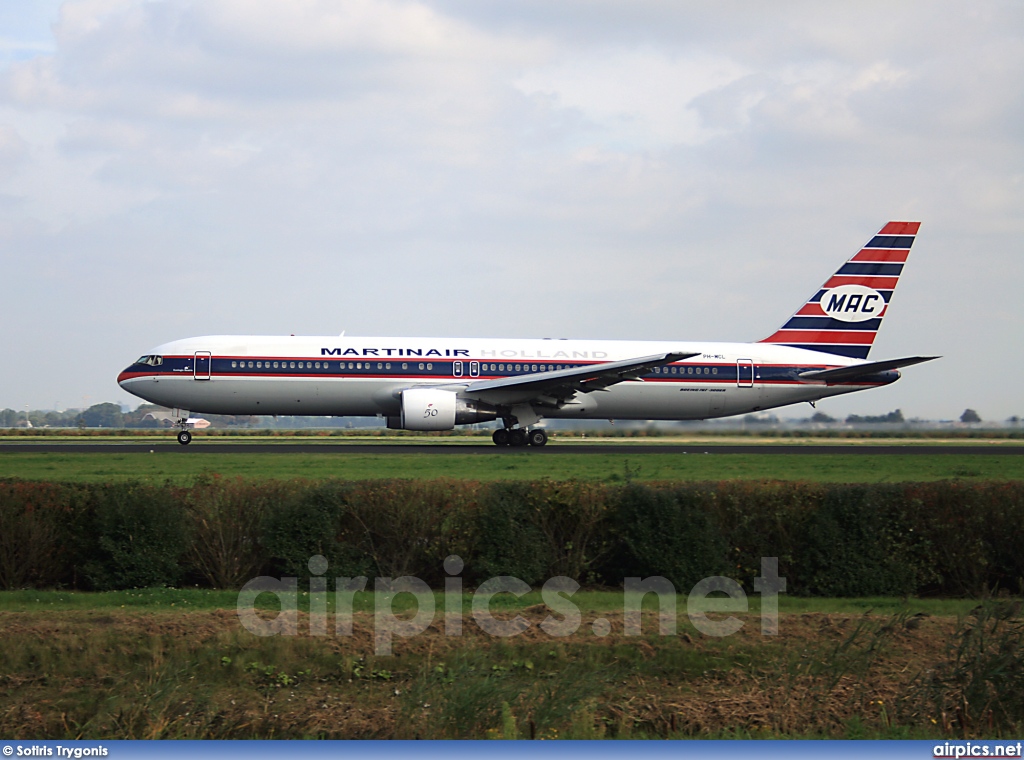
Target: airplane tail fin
x,y
843,317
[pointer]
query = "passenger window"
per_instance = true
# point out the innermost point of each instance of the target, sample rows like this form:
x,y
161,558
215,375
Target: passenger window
x,y
387,365
380,366
430,366
421,365
405,365
291,365
234,364
714,370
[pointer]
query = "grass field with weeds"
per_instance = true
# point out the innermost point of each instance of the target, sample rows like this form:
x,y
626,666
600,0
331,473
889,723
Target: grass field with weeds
x,y
589,601
184,467
83,666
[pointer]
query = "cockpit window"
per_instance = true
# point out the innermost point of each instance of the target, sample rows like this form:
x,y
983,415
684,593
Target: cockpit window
x,y
151,360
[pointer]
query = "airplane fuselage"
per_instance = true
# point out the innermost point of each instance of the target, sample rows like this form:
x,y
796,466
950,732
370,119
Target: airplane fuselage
x,y
332,376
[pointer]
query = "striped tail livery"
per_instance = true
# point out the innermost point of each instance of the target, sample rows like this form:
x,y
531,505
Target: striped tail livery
x,y
843,317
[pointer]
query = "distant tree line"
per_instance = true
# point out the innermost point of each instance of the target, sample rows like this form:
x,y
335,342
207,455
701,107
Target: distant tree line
x,y
109,415
894,416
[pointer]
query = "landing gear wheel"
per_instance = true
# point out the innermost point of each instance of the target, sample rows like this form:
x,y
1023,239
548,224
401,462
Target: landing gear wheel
x,y
537,437
500,437
517,437
184,438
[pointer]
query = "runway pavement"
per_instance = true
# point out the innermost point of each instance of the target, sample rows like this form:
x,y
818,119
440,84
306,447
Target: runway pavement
x,y
205,448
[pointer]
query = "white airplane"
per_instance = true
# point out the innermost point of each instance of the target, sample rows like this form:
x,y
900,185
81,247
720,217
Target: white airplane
x,y
438,383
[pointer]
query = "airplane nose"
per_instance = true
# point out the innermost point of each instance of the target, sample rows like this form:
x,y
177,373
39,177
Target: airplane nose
x,y
122,376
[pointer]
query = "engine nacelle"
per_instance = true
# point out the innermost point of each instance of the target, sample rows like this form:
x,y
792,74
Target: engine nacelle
x,y
428,409
433,409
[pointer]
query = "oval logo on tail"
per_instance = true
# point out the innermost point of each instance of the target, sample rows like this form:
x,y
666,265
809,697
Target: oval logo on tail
x,y
853,303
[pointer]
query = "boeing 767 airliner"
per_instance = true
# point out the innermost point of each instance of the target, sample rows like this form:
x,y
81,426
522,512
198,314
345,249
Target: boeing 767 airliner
x,y
438,383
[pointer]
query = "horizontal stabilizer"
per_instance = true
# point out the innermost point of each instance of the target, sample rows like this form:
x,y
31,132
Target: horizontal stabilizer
x,y
844,374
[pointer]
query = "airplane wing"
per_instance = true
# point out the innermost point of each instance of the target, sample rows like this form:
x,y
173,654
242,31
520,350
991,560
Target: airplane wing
x,y
554,389
845,374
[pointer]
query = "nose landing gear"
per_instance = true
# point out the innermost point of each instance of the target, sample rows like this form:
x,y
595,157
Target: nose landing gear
x,y
181,422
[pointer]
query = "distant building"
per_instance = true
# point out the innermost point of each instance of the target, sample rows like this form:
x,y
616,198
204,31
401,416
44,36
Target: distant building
x,y
162,419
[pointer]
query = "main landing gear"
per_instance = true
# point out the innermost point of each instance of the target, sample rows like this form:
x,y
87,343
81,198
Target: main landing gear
x,y
184,438
519,437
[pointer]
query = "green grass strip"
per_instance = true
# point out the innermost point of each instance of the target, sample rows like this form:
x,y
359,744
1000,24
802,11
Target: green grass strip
x,y
185,467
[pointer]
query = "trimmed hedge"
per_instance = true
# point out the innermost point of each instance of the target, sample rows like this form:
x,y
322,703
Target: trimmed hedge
x,y
951,538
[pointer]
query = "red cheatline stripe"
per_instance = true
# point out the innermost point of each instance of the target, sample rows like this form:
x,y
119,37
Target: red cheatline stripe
x,y
878,283
900,228
812,309
859,338
891,255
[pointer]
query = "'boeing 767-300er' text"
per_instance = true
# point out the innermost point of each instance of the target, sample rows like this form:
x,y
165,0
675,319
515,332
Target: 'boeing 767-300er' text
x,y
438,383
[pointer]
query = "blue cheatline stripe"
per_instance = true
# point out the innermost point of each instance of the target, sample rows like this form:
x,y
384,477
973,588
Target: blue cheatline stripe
x,y
827,323
884,270
856,352
886,295
891,241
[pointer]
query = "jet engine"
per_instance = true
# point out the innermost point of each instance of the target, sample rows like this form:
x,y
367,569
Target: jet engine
x,y
434,409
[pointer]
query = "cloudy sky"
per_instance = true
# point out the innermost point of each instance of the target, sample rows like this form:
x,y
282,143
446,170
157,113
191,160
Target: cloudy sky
x,y
640,169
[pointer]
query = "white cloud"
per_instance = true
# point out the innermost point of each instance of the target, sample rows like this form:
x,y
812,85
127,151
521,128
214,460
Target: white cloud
x,y
602,169
636,99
